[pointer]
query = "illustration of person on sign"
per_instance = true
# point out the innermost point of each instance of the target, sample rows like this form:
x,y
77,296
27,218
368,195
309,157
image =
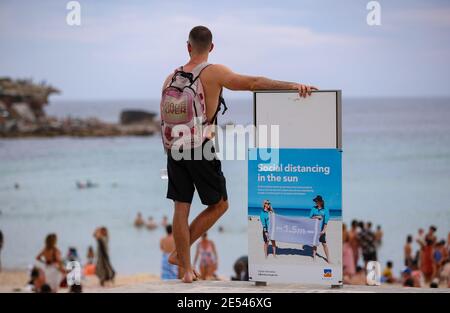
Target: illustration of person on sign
x,y
321,213
265,222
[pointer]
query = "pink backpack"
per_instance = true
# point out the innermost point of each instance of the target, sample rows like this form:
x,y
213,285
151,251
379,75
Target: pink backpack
x,y
183,110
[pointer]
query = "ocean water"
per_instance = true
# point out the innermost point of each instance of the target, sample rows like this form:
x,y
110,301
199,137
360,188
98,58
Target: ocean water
x,y
396,173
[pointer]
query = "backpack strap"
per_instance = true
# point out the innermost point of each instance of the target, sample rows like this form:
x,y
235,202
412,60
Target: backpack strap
x,y
198,70
219,107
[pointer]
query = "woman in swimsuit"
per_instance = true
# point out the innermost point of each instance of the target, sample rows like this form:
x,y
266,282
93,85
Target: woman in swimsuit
x,y
206,251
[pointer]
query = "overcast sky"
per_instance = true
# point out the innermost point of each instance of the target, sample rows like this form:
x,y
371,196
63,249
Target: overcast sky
x,y
124,49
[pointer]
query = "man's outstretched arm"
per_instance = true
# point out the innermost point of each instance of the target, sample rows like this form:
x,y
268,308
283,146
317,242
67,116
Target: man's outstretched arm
x,y
234,81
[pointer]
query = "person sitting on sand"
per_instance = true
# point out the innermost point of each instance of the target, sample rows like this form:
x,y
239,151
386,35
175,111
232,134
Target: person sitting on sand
x,y
241,269
387,275
264,217
167,245
151,224
51,261
89,267
445,273
359,278
206,250
37,281
321,213
103,269
139,221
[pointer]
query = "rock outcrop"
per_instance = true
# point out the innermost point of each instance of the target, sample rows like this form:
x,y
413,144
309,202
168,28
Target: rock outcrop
x,y
22,114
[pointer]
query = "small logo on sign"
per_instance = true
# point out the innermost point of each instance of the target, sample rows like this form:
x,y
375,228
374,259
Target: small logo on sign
x,y
327,273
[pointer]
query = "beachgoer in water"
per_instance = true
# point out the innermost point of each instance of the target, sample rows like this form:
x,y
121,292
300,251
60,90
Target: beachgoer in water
x,y
151,224
165,221
206,252
103,269
167,246
139,221
51,262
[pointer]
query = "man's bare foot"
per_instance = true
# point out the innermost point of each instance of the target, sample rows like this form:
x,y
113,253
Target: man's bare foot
x,y
173,259
188,277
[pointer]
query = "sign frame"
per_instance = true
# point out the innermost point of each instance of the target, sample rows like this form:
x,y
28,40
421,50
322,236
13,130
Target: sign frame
x,y
338,95
338,135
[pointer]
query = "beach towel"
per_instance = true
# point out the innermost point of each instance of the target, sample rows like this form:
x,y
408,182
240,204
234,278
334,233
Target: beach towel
x,y
300,230
168,271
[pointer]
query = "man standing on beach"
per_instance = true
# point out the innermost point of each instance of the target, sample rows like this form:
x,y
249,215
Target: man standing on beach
x,y
205,174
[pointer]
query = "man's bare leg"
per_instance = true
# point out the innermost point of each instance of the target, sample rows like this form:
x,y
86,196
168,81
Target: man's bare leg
x,y
204,221
181,236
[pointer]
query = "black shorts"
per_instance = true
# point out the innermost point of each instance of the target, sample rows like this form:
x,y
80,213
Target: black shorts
x,y
265,237
323,238
204,175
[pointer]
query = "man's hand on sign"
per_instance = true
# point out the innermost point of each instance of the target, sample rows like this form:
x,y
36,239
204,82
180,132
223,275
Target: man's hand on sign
x,y
305,90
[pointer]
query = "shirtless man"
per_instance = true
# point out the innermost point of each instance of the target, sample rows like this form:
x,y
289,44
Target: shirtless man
x,y
167,245
207,175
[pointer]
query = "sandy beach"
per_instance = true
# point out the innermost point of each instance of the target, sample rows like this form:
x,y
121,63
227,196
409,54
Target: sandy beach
x,y
16,280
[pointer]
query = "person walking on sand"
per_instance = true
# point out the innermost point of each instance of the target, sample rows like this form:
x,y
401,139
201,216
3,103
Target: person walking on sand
x,y
196,88
103,269
207,253
321,213
51,261
264,217
167,245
